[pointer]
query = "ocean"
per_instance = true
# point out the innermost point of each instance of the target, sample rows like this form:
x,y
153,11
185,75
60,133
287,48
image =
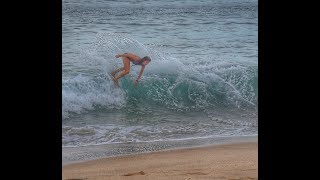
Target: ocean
x,y
202,82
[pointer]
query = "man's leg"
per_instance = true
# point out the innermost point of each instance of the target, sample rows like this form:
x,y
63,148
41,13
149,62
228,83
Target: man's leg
x,y
117,70
126,68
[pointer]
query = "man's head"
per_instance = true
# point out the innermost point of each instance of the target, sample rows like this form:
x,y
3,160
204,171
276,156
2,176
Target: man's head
x,y
145,60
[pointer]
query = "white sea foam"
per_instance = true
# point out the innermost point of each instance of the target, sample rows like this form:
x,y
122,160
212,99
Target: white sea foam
x,y
166,79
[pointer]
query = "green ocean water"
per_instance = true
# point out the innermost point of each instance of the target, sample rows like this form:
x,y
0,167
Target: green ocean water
x,y
202,81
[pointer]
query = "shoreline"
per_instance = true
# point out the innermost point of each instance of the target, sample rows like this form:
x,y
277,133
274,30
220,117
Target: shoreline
x,y
71,155
237,160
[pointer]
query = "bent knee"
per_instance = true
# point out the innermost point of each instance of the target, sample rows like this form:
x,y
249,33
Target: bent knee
x,y
126,71
125,58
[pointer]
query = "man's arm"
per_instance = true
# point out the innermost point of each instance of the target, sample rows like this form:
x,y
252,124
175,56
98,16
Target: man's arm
x,y
140,74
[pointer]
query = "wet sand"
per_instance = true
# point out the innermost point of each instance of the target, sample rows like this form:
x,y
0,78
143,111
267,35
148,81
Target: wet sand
x,y
226,161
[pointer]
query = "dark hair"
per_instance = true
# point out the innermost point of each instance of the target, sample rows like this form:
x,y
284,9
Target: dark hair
x,y
146,58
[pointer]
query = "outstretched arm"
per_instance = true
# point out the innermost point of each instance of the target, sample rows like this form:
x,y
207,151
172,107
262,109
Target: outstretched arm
x,y
140,74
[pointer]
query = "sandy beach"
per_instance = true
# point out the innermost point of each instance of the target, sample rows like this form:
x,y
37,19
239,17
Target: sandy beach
x,y
227,161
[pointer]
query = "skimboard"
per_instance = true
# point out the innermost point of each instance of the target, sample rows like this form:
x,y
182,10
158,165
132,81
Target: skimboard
x,y
114,81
